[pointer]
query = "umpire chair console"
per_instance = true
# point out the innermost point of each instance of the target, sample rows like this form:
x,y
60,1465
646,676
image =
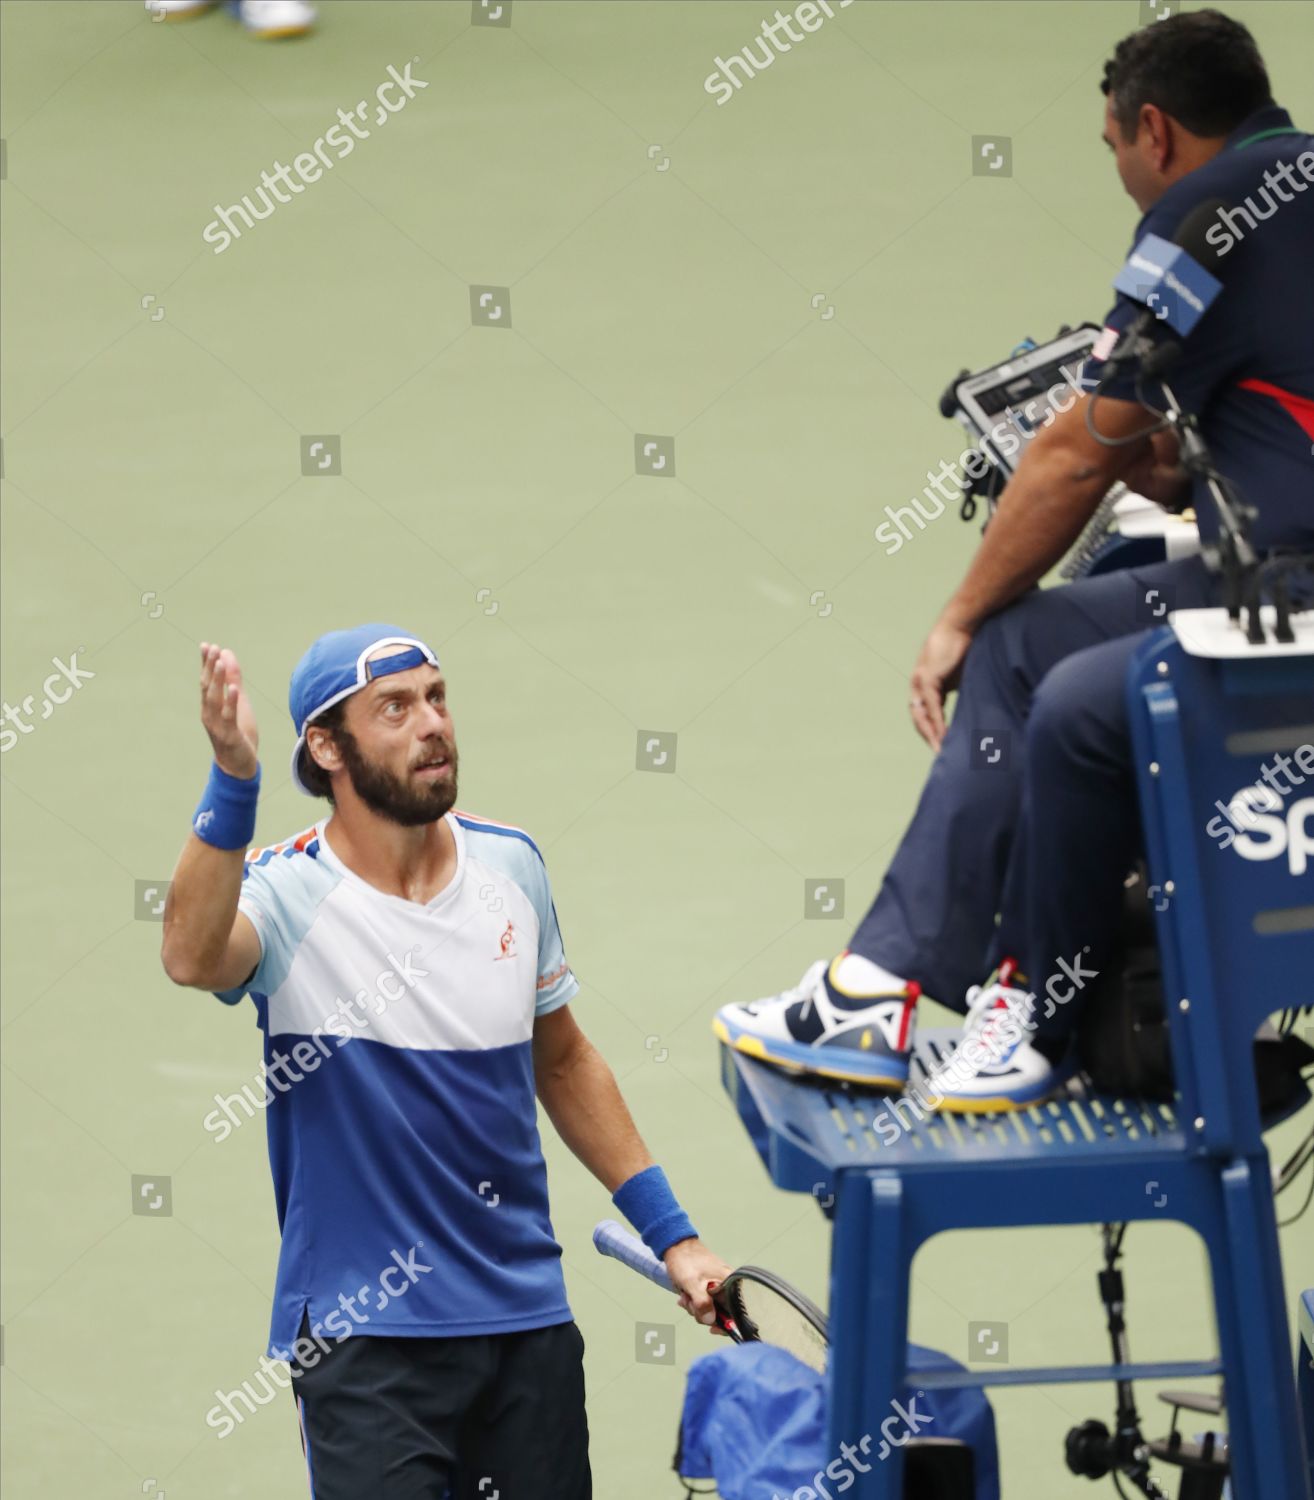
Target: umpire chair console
x,y
1002,407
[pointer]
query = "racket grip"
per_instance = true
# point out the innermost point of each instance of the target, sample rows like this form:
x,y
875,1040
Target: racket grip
x,y
609,1238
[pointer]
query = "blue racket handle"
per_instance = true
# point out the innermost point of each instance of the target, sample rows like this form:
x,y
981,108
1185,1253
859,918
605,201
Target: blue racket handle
x,y
611,1239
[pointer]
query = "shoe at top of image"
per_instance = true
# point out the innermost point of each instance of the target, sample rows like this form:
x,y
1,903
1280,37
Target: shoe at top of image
x,y
275,18
820,1028
262,18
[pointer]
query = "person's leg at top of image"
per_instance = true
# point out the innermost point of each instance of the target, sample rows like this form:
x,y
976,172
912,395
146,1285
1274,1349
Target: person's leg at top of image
x,y
931,926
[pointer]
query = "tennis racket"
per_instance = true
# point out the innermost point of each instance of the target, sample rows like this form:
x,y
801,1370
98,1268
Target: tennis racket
x,y
752,1305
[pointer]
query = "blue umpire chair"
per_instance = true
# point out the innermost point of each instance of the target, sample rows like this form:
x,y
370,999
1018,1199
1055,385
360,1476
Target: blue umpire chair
x,y
1236,938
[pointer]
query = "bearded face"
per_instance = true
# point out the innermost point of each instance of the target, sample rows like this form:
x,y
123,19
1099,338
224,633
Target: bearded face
x,y
423,793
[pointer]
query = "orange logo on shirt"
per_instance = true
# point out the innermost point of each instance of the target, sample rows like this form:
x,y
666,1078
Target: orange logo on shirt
x,y
507,942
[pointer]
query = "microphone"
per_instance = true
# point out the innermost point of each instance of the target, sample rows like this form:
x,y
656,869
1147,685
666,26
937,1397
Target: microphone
x,y
1177,281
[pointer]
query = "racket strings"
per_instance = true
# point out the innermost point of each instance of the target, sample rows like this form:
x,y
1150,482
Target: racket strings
x,y
764,1313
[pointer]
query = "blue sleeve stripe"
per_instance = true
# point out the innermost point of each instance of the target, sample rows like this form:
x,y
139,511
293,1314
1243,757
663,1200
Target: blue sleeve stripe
x,y
478,825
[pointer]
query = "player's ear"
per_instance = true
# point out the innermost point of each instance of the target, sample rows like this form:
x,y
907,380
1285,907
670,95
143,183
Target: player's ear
x,y
321,749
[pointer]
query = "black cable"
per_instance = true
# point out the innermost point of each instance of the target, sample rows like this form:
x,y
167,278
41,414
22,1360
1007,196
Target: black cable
x,y
1111,442
1309,1198
1294,1173
1202,467
1304,1148
1147,1486
1294,1164
1148,405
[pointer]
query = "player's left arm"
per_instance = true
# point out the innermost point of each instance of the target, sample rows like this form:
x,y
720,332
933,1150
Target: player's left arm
x,y
579,1091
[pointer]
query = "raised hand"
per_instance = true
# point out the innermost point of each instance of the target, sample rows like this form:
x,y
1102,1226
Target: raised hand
x,y
226,712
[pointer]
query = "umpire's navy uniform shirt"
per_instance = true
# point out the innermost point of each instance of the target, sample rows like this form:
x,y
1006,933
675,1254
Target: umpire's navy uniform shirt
x,y
1247,368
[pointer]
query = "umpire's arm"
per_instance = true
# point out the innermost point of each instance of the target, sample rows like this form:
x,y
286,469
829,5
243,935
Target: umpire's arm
x,y
1060,479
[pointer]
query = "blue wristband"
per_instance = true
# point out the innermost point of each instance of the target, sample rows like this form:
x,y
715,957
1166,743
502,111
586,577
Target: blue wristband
x,y
648,1203
226,813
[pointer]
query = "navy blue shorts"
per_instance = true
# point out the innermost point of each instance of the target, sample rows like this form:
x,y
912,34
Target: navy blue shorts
x,y
474,1417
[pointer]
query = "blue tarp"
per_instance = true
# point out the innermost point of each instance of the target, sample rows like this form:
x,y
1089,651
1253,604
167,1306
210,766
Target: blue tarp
x,y
754,1421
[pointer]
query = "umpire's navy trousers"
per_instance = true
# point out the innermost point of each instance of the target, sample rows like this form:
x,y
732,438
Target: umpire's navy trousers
x,y
1029,822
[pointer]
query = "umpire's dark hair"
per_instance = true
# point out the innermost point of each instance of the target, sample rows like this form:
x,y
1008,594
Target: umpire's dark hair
x,y
312,774
1201,67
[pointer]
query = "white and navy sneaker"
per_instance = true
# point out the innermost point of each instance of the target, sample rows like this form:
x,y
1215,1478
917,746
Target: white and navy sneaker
x,y
275,18
817,1027
995,1065
262,18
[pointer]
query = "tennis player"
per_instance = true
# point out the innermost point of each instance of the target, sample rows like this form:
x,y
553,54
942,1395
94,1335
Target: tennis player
x,y
408,974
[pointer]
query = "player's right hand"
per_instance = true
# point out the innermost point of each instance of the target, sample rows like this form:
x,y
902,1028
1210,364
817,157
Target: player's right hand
x,y
226,712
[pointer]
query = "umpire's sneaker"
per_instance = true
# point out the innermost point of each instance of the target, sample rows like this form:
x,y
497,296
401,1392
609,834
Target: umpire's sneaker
x,y
996,1064
819,1028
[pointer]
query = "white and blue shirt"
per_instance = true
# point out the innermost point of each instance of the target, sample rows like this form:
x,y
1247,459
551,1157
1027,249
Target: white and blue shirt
x,y
402,1118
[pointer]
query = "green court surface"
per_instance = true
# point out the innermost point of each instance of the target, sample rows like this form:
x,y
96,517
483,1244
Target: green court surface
x,y
775,290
